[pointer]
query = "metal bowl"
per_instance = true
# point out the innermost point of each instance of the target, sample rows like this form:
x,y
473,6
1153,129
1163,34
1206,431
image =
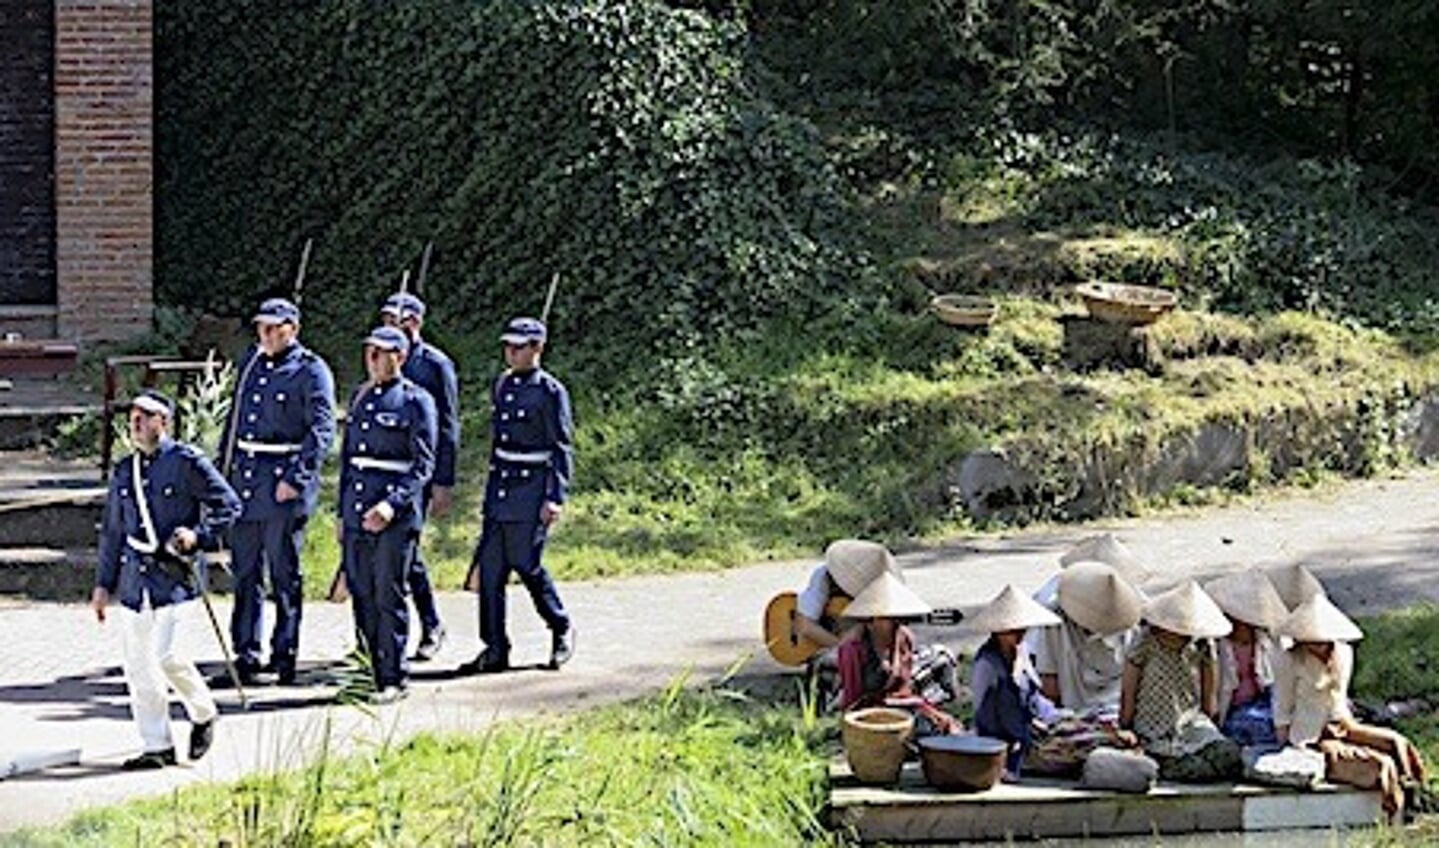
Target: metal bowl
x,y
962,763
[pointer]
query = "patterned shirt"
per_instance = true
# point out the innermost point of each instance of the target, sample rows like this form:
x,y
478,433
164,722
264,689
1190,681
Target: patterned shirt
x,y
1168,693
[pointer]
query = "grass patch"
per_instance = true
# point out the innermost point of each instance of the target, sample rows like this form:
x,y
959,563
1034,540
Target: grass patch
x,y
692,767
1394,662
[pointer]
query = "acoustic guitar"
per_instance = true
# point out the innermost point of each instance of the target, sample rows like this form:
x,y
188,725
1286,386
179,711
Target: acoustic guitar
x,y
788,647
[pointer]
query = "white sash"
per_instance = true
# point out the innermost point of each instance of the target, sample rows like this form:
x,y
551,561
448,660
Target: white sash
x,y
151,542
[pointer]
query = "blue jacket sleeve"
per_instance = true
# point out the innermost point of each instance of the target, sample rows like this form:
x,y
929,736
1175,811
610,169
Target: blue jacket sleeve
x,y
560,433
422,451
447,412
304,469
221,504
112,533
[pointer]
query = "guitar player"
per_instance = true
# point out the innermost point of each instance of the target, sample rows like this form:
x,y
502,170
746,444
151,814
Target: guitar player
x,y
849,566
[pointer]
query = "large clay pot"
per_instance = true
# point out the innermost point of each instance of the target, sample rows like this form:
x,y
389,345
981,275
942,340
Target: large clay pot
x,y
874,742
962,763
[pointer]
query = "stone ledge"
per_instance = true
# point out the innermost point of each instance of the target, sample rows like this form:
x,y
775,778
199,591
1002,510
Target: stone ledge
x,y
1044,808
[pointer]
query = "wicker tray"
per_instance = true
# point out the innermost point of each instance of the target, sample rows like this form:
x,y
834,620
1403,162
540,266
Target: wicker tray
x,y
1115,303
964,310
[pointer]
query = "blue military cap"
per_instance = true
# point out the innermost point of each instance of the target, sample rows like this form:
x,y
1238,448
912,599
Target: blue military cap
x,y
389,338
523,331
404,305
277,310
154,403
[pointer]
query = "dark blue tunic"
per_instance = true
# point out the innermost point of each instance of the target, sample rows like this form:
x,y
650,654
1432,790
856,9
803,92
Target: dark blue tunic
x,y
182,489
388,455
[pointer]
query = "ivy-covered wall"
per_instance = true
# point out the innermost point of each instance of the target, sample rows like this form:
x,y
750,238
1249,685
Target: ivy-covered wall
x,y
622,145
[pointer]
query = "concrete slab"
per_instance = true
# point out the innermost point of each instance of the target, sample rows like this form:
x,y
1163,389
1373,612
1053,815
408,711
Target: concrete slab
x,y
16,763
1046,809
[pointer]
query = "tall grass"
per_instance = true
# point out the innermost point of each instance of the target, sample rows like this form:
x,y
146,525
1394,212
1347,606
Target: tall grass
x,y
684,767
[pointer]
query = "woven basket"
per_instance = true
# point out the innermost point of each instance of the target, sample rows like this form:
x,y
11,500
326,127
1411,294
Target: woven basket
x,y
874,742
964,310
1115,303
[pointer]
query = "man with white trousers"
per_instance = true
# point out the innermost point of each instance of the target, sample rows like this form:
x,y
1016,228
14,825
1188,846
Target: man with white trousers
x,y
166,501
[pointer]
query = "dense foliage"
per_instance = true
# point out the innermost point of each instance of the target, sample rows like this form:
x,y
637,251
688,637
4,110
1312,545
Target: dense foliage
x,y
622,146
1329,78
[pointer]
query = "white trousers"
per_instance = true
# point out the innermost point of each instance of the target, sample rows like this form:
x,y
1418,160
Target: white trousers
x,y
151,661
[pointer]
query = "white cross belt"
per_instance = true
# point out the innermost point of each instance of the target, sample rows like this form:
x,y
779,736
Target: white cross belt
x,y
365,463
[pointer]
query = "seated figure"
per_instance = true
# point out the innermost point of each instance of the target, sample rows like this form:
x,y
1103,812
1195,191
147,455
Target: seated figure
x,y
876,660
1244,709
1008,703
1311,706
1170,688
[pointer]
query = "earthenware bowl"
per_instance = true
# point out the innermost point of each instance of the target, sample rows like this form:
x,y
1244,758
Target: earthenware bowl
x,y
962,763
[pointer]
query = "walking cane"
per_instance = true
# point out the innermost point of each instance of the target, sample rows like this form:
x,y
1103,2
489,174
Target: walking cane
x,y
197,563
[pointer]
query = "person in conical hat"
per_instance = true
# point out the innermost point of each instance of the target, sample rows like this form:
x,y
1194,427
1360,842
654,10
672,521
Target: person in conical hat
x,y
1081,661
1169,688
1005,688
1246,656
1295,584
849,566
1311,706
1106,548
876,661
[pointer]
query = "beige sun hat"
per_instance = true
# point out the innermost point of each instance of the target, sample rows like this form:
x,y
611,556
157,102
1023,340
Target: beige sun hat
x,y
1295,584
1106,548
1250,597
855,563
1318,620
886,596
1186,610
1011,610
1098,598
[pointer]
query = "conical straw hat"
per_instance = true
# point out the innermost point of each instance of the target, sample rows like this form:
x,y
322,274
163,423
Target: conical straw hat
x,y
1107,548
1186,610
1318,620
855,563
1098,599
1011,610
887,596
1295,584
1250,597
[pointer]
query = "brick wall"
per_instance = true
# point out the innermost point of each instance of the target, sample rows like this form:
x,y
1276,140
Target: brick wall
x,y
27,207
104,214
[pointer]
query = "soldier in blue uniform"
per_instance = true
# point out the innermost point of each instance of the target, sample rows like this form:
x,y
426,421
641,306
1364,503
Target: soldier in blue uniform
x,y
531,463
429,367
279,431
166,501
387,460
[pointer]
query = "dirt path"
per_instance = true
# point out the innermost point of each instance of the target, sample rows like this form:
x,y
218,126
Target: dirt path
x,y
1375,543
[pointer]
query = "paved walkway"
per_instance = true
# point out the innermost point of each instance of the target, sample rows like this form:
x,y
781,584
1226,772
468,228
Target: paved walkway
x,y
1375,543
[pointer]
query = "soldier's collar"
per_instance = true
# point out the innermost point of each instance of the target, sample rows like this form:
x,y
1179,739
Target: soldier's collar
x,y
290,350
161,447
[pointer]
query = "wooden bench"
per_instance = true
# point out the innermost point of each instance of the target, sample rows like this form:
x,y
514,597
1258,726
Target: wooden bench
x,y
1043,808
36,358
